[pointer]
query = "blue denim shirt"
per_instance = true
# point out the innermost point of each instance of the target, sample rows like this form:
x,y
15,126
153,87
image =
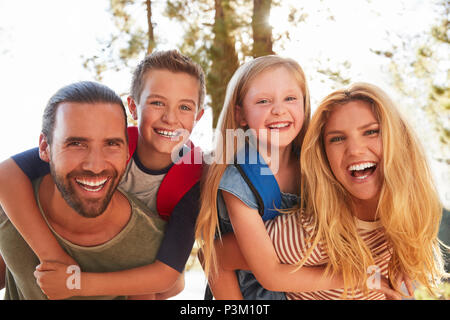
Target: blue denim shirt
x,y
233,182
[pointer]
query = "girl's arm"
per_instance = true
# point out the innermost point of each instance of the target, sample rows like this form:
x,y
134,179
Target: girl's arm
x,y
18,201
259,253
224,284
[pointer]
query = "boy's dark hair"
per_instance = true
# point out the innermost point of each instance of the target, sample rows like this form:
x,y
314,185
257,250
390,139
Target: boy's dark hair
x,y
173,61
81,92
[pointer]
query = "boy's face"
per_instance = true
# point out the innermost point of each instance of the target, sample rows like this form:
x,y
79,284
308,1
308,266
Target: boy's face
x,y
167,110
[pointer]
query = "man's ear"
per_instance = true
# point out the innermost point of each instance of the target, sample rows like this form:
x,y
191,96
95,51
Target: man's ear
x,y
132,107
44,148
239,116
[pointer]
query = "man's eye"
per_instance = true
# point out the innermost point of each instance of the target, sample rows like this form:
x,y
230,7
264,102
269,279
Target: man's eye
x,y
74,144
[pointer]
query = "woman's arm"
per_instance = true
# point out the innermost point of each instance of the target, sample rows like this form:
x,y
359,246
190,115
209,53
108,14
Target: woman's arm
x,y
18,201
257,249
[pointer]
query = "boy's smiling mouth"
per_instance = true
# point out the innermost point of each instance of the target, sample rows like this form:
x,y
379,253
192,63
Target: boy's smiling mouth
x,y
167,133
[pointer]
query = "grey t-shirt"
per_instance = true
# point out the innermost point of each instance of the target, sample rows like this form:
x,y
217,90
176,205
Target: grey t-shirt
x,y
135,245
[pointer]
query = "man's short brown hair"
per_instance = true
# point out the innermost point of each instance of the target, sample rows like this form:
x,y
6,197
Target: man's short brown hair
x,y
173,61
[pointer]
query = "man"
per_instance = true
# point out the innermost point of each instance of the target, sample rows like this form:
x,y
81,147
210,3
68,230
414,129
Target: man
x,y
84,139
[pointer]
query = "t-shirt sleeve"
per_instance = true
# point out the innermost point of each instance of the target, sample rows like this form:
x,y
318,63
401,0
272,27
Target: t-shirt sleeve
x,y
31,164
233,182
180,231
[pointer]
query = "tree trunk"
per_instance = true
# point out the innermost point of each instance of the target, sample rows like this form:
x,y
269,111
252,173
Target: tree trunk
x,y
262,31
151,37
223,56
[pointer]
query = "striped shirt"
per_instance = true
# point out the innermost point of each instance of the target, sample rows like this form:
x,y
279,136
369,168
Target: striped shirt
x,y
289,240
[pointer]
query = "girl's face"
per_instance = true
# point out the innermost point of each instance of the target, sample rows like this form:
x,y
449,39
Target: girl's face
x,y
354,149
273,103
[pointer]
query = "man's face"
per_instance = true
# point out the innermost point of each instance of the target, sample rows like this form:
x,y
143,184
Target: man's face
x,y
88,154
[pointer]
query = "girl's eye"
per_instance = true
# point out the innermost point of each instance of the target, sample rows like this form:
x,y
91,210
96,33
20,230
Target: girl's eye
x,y
291,99
186,108
372,132
262,101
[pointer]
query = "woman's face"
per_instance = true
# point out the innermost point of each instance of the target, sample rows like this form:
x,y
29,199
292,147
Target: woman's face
x,y
354,149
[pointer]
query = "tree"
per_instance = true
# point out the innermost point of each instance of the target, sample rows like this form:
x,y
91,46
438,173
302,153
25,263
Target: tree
x,y
128,42
424,76
262,31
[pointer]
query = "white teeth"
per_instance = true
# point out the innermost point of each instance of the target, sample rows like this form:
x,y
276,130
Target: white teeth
x,y
361,166
167,133
278,125
92,183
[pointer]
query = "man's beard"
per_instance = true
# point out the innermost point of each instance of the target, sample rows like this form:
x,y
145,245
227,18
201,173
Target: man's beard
x,y
88,208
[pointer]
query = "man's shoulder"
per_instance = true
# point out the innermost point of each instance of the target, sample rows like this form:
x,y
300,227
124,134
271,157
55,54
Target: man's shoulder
x,y
139,208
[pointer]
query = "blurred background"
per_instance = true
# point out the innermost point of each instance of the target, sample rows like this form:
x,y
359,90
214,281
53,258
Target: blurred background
x,y
400,45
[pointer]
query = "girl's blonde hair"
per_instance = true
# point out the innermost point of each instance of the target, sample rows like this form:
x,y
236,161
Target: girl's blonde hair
x,y
207,222
408,207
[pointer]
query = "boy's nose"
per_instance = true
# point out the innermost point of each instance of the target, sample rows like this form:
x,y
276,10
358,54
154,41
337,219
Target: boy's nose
x,y
169,117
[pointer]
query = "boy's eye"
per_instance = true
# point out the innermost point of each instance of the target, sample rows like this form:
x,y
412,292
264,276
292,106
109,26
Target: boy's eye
x,y
157,103
185,108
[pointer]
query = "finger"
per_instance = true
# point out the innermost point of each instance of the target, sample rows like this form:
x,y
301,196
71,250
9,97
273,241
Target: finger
x,y
390,294
47,266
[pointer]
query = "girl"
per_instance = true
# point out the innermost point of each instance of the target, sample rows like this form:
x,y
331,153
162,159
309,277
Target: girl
x,y
269,96
368,202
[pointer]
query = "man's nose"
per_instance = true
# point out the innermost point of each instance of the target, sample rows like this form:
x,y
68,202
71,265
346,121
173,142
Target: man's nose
x,y
95,160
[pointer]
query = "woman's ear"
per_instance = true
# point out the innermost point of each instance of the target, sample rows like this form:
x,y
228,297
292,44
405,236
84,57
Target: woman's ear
x,y
44,148
132,107
239,116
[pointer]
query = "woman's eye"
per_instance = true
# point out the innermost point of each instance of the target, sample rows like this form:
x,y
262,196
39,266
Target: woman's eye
x,y
336,139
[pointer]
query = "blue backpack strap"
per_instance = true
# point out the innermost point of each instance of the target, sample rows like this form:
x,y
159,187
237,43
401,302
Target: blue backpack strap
x,y
261,181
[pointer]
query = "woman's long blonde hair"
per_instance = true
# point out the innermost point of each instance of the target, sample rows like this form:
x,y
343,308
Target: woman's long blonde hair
x,y
408,208
207,221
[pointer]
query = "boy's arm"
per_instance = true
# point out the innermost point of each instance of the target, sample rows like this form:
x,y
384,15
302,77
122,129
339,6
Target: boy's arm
x,y
257,249
18,201
157,277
